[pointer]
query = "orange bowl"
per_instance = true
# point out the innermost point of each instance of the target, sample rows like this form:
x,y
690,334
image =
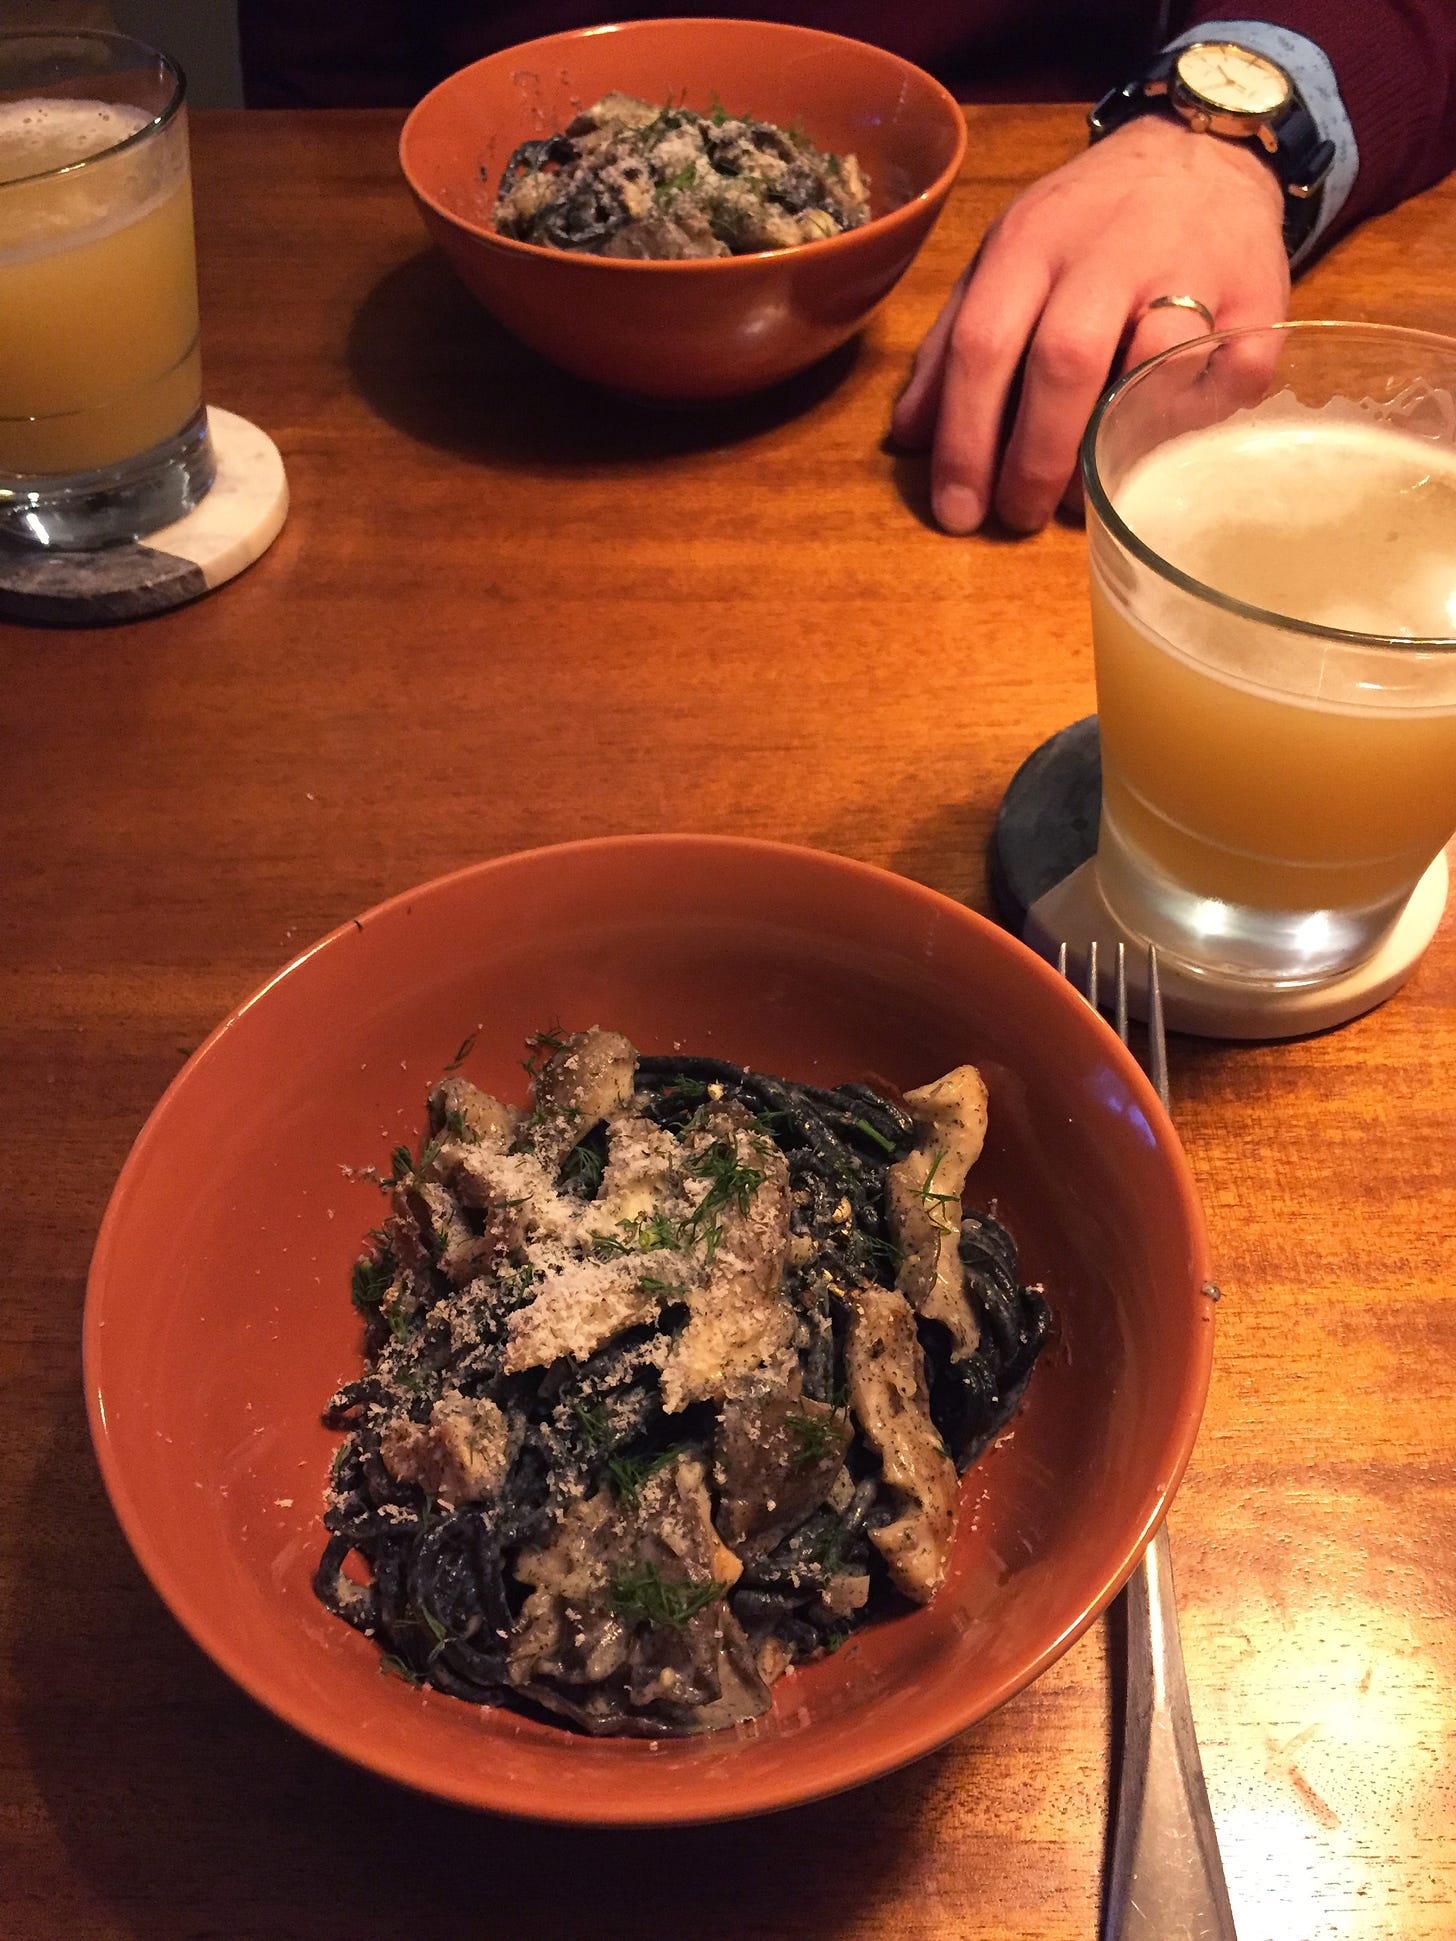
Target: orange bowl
x,y
702,329
218,1318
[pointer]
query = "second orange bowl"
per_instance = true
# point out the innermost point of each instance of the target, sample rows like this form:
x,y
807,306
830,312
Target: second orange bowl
x,y
686,330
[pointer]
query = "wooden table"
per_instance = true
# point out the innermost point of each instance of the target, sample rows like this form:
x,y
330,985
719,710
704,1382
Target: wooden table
x,y
504,612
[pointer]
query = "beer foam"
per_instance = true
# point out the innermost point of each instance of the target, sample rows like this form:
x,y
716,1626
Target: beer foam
x,y
47,204
1330,516
39,134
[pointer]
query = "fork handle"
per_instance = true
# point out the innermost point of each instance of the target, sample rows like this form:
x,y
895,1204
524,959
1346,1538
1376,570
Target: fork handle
x,y
1167,1879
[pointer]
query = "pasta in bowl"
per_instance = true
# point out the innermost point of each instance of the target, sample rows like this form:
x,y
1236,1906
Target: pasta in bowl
x,y
670,1379
219,1322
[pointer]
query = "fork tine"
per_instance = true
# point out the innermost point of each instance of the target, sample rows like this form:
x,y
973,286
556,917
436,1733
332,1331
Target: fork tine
x,y
1092,973
1120,991
1157,1038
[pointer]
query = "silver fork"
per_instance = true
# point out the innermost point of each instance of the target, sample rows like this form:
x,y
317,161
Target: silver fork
x,y
1166,1882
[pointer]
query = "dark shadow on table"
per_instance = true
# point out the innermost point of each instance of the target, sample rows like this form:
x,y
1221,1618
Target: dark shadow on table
x,y
189,1811
434,364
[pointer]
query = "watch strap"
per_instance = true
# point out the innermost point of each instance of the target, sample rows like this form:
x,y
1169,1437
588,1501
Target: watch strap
x,y
1300,160
1130,99
1318,87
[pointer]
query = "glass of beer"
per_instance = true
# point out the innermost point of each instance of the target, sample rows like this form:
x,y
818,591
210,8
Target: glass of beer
x,y
103,435
1272,546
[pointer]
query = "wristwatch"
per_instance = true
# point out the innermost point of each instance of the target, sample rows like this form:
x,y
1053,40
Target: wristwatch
x,y
1220,88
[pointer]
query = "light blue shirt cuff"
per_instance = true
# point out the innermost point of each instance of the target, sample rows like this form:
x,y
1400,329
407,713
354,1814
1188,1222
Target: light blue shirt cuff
x,y
1308,66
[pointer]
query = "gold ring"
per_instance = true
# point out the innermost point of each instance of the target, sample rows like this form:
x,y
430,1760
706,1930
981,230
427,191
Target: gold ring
x,y
1183,303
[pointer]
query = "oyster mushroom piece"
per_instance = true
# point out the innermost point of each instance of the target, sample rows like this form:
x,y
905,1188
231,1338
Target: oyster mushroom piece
x,y
588,1077
626,1628
567,1629
578,1309
640,1176
777,1457
462,1455
891,1403
741,1327
614,110
460,1110
924,1191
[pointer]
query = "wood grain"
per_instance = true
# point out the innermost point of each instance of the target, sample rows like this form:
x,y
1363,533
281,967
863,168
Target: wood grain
x,y
505,611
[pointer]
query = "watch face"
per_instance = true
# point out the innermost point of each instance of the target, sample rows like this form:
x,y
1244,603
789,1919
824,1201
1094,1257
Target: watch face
x,y
1232,78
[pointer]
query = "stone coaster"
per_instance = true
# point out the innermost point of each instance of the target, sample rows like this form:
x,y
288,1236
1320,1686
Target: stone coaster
x,y
235,524
1044,875
1047,823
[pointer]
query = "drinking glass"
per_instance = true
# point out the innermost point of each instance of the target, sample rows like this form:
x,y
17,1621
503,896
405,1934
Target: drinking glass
x,y
103,435
1271,520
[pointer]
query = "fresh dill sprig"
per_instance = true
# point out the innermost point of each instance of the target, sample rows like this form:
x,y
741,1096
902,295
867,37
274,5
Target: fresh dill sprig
x,y
646,1233
437,1631
595,1425
935,1202
515,1284
731,1184
671,184
644,1596
873,1132
687,1088
817,1436
880,1252
583,1166
629,1474
550,1041
826,1547
371,1281
463,1051
656,1233
405,1168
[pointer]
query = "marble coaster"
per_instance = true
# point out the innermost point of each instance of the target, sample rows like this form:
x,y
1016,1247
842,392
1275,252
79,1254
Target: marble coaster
x,y
1044,877
235,524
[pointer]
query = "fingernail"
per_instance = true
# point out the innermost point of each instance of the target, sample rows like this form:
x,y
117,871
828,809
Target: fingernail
x,y
957,508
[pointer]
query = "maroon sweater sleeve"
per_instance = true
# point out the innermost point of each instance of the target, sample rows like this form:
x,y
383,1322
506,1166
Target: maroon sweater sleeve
x,y
1395,62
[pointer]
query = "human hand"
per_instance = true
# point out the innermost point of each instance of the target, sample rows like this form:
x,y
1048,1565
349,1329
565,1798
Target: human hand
x,y
1055,302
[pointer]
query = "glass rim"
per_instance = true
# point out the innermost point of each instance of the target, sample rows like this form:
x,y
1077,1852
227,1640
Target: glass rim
x,y
164,115
1097,499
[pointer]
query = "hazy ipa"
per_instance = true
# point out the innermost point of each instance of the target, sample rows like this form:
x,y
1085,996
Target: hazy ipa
x,y
100,373
1278,747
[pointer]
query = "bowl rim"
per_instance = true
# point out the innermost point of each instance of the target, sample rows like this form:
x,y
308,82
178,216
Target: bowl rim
x,y
928,197
889,1750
